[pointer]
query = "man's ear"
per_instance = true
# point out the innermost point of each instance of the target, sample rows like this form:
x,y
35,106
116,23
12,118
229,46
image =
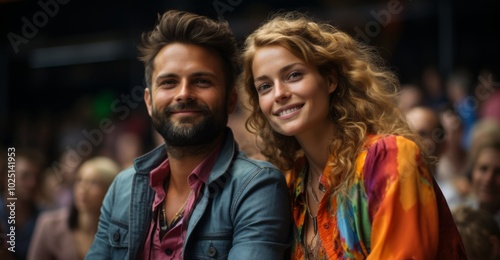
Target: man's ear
x,y
232,101
147,100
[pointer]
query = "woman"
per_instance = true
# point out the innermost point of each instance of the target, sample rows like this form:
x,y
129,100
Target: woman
x,y
325,107
483,167
67,234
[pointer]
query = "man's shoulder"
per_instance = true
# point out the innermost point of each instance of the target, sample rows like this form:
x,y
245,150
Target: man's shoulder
x,y
243,159
124,179
126,173
243,165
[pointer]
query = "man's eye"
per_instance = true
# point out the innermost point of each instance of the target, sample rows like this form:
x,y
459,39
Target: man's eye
x,y
167,82
203,82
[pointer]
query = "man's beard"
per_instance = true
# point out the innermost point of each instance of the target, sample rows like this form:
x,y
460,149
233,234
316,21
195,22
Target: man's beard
x,y
190,131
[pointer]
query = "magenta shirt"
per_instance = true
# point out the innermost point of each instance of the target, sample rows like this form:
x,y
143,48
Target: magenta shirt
x,y
170,247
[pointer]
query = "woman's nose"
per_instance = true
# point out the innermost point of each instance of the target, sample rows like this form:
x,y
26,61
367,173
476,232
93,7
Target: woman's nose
x,y
281,92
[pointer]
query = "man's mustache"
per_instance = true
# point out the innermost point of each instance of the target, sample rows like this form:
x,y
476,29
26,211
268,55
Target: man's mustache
x,y
186,107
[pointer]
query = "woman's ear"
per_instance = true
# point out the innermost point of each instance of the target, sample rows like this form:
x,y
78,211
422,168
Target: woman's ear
x,y
332,81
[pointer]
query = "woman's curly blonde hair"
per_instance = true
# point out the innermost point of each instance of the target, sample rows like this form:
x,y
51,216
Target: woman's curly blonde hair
x,y
365,101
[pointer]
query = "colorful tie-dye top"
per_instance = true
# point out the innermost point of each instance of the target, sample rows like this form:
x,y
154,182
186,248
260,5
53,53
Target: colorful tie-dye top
x,y
394,209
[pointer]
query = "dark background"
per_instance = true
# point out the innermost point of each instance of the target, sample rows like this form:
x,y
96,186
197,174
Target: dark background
x,y
83,56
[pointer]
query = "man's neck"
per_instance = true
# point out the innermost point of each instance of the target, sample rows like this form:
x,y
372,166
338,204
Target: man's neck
x,y
183,160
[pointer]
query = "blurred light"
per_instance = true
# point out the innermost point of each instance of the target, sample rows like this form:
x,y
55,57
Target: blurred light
x,y
77,54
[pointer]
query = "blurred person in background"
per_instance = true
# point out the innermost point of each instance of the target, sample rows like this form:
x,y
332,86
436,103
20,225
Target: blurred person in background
x,y
29,166
65,170
483,167
50,184
464,104
326,107
410,96
488,91
452,161
434,93
67,233
426,123
128,145
480,233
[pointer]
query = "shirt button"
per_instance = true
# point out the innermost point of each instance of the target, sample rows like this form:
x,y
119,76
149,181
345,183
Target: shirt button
x,y
212,251
326,226
116,237
168,251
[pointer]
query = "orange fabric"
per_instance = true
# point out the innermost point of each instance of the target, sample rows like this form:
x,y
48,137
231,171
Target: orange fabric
x,y
394,209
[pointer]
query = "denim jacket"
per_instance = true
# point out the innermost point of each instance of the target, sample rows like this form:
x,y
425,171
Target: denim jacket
x,y
243,213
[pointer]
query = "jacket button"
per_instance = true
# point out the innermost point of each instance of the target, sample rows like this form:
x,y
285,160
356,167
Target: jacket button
x,y
168,251
212,251
116,236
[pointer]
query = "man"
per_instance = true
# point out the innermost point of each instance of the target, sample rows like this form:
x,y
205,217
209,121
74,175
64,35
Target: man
x,y
196,196
426,123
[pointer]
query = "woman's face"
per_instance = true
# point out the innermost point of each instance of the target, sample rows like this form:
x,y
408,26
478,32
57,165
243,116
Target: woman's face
x,y
89,189
293,95
486,178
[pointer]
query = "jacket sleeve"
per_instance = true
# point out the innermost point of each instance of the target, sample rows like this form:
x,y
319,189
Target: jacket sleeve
x,y
401,200
101,247
262,217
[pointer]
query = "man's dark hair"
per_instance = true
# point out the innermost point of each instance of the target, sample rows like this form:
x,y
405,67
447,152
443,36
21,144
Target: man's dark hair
x,y
183,27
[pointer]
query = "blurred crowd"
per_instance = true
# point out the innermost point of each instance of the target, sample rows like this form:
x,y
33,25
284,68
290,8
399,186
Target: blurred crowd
x,y
458,119
66,162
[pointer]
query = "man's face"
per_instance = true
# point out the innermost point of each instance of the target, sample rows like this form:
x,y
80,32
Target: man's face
x,y
27,174
425,123
187,101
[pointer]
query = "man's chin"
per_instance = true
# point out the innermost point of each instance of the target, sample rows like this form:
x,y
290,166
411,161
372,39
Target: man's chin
x,y
186,118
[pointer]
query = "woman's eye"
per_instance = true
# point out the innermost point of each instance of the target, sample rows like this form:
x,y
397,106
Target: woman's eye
x,y
262,88
294,75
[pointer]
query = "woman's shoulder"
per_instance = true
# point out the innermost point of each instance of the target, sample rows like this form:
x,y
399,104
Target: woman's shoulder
x,y
390,144
389,155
